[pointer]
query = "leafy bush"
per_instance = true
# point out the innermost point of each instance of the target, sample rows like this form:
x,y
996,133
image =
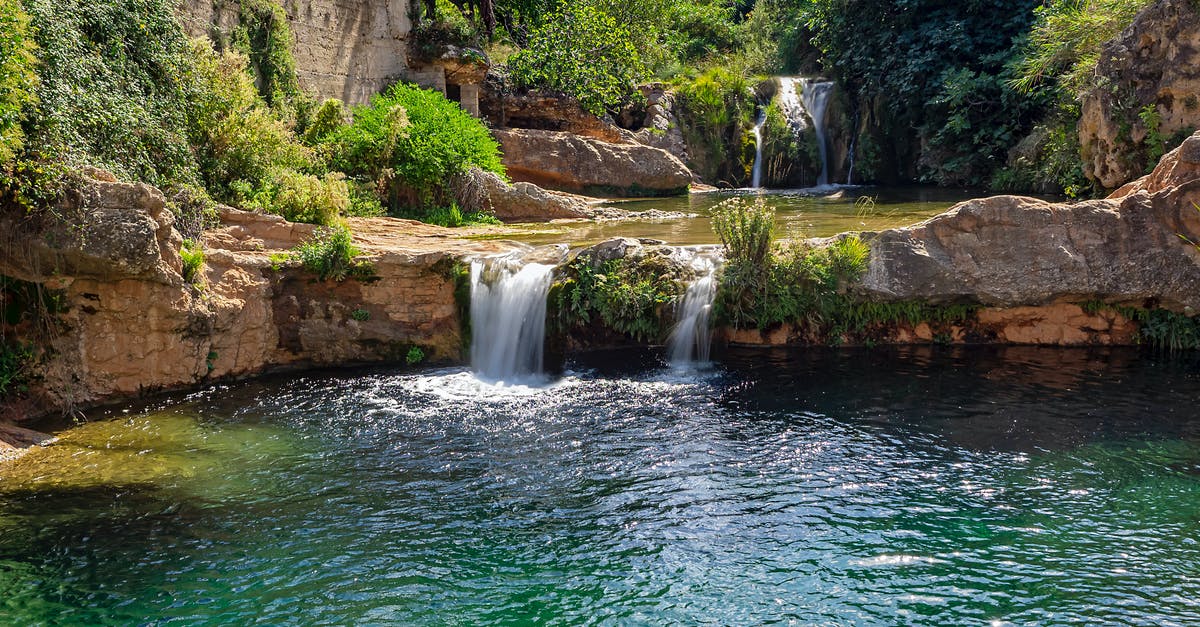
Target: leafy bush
x,y
263,35
416,139
113,88
17,77
331,255
716,114
415,356
16,360
241,144
329,117
192,254
763,285
302,197
583,53
625,295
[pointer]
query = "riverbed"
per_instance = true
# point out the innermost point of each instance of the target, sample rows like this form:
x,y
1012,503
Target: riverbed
x,y
919,486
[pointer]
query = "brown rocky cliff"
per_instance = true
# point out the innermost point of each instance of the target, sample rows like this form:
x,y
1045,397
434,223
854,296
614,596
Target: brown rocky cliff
x,y
129,324
1154,63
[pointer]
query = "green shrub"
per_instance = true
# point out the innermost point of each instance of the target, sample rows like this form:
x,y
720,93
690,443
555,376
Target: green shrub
x,y
451,216
583,53
192,254
329,117
716,116
264,37
17,77
241,145
415,356
360,315
16,361
302,197
113,88
331,255
763,284
415,139
625,295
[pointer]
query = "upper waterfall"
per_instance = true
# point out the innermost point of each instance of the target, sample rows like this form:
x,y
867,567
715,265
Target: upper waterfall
x,y
803,102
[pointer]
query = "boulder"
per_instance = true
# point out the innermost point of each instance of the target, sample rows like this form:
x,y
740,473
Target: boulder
x,y
1010,251
572,163
101,229
1154,63
522,202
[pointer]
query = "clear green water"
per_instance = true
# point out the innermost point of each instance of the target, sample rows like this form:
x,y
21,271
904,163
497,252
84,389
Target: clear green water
x,y
800,214
922,487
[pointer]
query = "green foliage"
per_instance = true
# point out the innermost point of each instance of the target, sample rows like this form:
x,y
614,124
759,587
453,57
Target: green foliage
x,y
17,77
625,295
113,88
302,197
416,139
1161,329
360,315
331,255
1155,143
584,53
717,110
264,37
451,216
192,254
329,117
764,285
16,361
1065,42
747,230
242,147
414,356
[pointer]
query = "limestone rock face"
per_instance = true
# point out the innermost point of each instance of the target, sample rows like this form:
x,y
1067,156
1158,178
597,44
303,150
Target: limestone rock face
x,y
109,230
573,163
1156,63
129,324
538,111
660,128
345,49
523,202
1010,251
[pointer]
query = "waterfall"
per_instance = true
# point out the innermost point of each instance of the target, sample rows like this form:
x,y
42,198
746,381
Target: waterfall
x,y
756,179
803,102
815,96
508,317
691,339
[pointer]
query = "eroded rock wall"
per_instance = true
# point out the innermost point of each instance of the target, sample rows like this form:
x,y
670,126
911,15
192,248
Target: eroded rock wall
x,y
345,49
128,323
1152,67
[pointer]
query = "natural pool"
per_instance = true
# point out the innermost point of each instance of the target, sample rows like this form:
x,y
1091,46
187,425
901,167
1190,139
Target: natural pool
x,y
801,213
921,486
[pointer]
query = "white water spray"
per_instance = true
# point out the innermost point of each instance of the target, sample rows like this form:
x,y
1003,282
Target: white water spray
x,y
691,339
756,178
508,317
815,96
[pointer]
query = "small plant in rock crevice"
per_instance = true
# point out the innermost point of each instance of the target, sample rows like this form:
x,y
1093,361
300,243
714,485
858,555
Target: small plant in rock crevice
x,y
192,254
331,255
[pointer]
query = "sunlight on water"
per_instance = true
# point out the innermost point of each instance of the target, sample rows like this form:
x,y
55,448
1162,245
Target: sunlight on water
x,y
931,487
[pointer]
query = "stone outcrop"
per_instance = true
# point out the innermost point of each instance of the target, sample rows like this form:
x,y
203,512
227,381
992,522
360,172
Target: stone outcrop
x,y
504,107
1010,251
573,163
1154,63
128,323
659,128
345,49
518,202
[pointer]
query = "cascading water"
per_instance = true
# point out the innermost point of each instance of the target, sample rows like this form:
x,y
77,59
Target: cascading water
x,y
815,96
691,339
803,102
756,178
508,317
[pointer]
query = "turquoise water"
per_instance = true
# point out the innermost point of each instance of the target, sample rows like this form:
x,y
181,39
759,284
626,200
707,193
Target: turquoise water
x,y
1019,486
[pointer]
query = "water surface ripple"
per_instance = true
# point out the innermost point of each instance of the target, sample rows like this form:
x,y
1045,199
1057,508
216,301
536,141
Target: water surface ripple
x,y
1025,486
